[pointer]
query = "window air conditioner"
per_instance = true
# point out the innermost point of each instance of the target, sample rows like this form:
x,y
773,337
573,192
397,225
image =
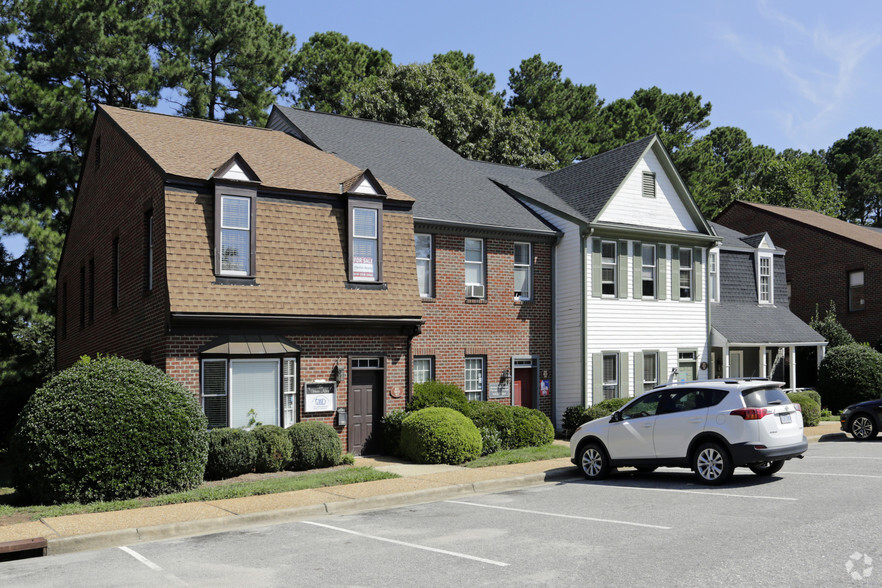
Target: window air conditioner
x,y
474,291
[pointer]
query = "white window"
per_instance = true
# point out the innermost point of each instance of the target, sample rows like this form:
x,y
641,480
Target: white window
x,y
856,290
608,268
686,365
235,236
685,273
241,392
650,371
422,369
289,392
648,273
365,238
522,271
713,282
765,279
423,245
648,185
474,378
610,375
474,262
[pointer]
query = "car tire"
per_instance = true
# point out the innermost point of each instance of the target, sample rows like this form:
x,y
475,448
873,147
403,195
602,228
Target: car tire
x,y
593,461
712,464
646,469
767,468
863,427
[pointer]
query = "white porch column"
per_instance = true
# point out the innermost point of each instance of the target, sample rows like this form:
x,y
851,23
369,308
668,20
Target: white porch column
x,y
726,360
822,351
792,368
763,368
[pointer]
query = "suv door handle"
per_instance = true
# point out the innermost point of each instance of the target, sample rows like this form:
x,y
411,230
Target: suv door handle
x,y
696,420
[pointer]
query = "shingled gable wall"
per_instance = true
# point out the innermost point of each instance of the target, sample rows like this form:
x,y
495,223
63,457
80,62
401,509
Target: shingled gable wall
x,y
818,263
498,327
112,201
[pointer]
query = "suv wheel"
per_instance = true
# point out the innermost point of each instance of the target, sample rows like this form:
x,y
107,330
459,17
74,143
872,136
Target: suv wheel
x,y
593,461
712,464
863,428
767,468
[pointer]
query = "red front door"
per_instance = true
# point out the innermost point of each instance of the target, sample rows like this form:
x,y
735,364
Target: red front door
x,y
523,387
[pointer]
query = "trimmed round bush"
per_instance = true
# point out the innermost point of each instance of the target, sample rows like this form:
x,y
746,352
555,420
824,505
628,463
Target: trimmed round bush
x,y
490,441
108,429
274,448
231,453
315,445
439,435
517,426
811,410
848,374
432,393
390,431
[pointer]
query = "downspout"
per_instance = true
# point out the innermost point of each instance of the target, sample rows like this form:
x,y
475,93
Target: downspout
x,y
553,280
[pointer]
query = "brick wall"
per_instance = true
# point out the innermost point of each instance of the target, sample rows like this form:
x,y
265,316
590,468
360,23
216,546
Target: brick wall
x,y
818,263
498,327
111,203
319,354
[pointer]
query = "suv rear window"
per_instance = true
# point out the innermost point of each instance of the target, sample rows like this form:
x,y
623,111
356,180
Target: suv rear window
x,y
761,397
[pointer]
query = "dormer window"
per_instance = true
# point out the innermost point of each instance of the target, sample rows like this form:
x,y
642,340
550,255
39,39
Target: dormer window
x,y
764,280
235,235
365,244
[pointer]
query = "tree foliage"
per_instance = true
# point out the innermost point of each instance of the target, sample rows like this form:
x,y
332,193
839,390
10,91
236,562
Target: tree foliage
x,y
464,64
856,162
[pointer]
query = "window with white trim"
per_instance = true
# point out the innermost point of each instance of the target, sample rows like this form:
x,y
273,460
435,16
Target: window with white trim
x,y
423,369
474,378
523,271
423,246
713,282
365,245
765,279
856,290
608,268
650,370
235,236
474,262
648,271
610,375
686,366
289,391
685,273
242,392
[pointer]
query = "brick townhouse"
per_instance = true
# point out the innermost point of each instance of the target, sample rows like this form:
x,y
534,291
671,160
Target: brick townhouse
x,y
275,281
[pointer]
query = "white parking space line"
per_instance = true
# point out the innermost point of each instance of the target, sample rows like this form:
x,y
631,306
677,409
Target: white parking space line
x,y
838,457
699,492
405,544
562,516
835,475
153,566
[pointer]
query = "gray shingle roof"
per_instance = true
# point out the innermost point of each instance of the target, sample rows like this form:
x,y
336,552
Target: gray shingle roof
x,y
447,188
751,323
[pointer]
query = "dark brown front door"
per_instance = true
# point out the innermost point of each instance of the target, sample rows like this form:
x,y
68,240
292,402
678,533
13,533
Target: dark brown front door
x,y
523,387
365,409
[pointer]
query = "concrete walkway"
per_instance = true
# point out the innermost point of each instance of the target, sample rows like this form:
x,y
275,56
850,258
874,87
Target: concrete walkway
x,y
419,483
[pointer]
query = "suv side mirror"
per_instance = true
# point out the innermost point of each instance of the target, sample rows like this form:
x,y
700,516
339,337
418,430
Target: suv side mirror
x,y
616,416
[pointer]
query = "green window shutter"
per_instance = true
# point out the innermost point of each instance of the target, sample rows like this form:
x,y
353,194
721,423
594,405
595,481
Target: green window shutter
x,y
661,265
675,272
596,378
596,286
622,271
623,375
663,371
638,373
638,269
696,273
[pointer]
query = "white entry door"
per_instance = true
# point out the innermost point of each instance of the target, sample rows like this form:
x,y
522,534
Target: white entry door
x,y
736,364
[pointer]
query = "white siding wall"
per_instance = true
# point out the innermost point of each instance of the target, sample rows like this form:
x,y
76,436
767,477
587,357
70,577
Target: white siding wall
x,y
567,382
665,211
635,325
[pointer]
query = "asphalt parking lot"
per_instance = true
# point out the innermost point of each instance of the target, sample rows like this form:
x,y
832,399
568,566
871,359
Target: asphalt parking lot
x,y
816,523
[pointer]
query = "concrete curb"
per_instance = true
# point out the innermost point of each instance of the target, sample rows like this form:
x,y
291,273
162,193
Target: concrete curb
x,y
108,539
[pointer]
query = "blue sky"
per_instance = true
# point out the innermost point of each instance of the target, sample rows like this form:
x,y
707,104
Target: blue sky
x,y
798,74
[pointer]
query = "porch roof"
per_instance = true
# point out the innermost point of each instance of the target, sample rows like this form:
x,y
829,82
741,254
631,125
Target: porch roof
x,y
753,324
249,345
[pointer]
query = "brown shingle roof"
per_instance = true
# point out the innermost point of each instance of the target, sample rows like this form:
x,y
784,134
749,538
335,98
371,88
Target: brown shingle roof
x,y
193,148
823,222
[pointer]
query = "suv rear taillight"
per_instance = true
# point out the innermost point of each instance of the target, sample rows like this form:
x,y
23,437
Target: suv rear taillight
x,y
797,407
751,414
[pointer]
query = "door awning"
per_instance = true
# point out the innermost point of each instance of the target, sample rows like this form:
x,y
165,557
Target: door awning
x,y
249,345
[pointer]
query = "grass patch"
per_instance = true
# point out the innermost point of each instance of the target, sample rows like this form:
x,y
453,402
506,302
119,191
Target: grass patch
x,y
352,475
830,418
523,455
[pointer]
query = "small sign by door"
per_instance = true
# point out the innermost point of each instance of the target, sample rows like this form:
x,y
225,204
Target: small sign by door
x,y
320,396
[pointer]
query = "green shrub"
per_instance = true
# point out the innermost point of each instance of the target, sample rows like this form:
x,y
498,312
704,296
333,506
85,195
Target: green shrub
x,y
390,431
439,435
315,445
848,374
109,429
274,448
432,393
573,416
830,328
605,408
814,395
811,410
490,441
231,453
517,426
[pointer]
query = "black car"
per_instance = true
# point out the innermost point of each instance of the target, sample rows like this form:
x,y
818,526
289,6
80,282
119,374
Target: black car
x,y
863,420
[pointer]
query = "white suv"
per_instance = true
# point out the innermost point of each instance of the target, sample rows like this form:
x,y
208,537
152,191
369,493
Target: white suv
x,y
709,426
